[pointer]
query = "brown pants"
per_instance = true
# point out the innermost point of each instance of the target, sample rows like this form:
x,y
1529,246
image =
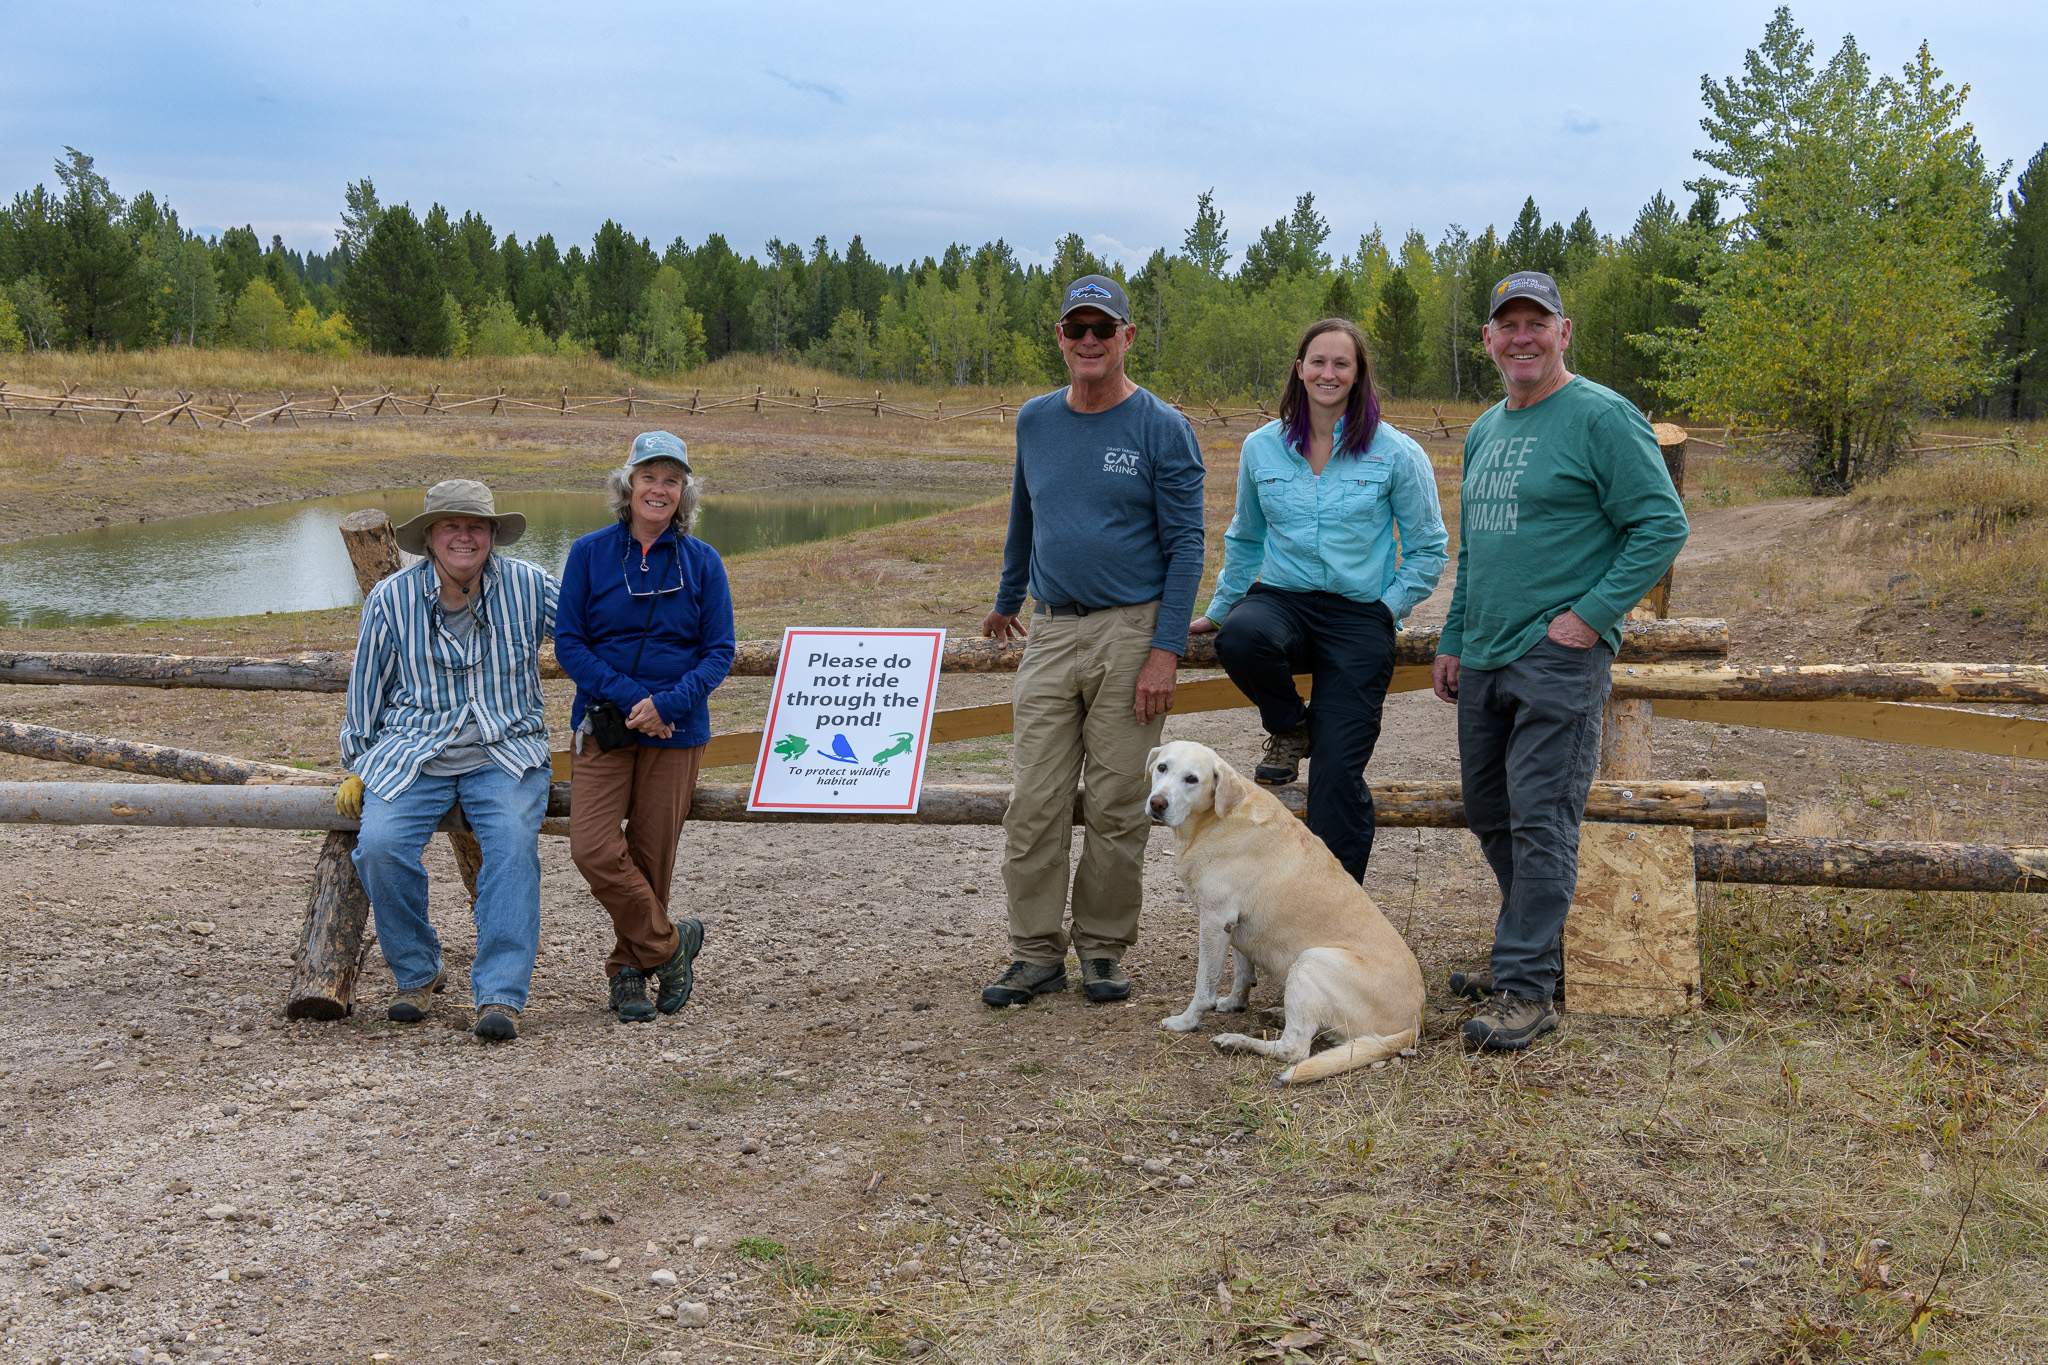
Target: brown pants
x,y
648,789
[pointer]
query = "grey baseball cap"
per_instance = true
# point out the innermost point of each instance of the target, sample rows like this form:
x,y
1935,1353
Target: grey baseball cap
x,y
659,445
1097,291
1527,284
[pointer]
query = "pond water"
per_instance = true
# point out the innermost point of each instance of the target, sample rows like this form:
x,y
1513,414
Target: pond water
x,y
289,556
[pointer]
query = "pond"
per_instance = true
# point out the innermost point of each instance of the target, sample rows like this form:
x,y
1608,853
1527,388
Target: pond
x,y
289,556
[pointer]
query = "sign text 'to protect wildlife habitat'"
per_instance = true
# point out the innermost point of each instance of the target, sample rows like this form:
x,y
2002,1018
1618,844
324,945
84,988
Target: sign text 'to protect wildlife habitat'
x,y
849,722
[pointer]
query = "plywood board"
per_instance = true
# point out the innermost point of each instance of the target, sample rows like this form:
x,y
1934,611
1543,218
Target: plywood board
x,y
1631,942
1888,722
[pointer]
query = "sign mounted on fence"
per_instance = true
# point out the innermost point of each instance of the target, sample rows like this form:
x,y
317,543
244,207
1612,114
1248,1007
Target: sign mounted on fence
x,y
849,722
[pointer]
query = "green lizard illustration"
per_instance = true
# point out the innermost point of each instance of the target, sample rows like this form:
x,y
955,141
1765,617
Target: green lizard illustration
x,y
791,747
901,746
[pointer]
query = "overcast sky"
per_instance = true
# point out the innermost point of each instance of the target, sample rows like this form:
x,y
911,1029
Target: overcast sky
x,y
918,124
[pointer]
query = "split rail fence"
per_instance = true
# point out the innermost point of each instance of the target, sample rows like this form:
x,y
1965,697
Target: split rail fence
x,y
246,411
1631,941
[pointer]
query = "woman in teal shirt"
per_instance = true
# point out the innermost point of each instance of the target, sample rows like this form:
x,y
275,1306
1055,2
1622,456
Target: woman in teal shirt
x,y
1338,522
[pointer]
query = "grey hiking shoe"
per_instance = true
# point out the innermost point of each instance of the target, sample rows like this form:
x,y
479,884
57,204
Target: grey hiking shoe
x,y
411,1006
1024,980
1476,986
629,997
1103,980
677,975
497,1023
1282,761
1508,1023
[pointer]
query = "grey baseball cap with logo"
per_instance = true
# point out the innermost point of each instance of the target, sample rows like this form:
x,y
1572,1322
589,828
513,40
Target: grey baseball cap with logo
x,y
1097,291
1533,285
659,445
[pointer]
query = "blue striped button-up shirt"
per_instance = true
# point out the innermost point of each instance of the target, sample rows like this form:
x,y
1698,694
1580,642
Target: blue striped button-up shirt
x,y
413,682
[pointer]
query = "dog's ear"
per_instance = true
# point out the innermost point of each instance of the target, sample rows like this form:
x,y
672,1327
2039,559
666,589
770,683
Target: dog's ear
x,y
1152,758
1231,788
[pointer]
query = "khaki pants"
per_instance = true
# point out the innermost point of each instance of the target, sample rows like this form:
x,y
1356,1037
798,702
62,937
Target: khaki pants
x,y
1074,692
649,789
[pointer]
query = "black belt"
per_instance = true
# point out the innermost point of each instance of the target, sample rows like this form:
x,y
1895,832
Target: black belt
x,y
1063,609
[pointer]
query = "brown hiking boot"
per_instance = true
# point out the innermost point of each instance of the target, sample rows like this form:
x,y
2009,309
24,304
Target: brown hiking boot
x,y
497,1023
1281,763
411,1006
1508,1023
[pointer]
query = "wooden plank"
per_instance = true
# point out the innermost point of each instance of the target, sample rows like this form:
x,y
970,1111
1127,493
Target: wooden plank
x,y
1938,682
1884,722
1631,942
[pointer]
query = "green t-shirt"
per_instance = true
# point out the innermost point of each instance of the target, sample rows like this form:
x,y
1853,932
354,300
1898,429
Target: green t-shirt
x,y
1565,506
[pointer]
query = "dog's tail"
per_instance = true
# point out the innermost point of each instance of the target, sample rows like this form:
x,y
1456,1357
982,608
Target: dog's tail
x,y
1360,1051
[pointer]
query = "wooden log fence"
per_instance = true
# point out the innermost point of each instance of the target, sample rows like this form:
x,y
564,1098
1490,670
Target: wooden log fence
x,y
1402,805
337,406
1647,641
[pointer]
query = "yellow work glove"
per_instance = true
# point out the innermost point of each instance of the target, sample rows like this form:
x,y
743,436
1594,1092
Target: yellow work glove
x,y
348,798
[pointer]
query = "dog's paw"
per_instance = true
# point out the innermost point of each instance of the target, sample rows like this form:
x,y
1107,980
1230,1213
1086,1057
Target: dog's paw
x,y
1232,1005
1232,1042
1180,1023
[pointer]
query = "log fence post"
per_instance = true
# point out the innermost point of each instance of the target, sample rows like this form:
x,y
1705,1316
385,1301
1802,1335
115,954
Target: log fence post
x,y
331,942
1626,725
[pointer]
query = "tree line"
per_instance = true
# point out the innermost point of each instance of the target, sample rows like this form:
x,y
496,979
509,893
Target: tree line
x,y
1835,199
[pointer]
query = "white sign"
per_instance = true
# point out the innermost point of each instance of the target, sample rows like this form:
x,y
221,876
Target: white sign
x,y
849,722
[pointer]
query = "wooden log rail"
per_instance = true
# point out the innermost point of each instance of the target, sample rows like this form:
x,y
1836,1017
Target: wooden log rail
x,y
1644,641
1418,805
150,760
1878,865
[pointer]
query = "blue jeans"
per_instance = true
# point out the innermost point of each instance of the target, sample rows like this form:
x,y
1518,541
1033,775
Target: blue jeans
x,y
505,812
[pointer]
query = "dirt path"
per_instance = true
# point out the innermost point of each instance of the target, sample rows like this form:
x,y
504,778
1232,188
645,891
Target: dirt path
x,y
834,1145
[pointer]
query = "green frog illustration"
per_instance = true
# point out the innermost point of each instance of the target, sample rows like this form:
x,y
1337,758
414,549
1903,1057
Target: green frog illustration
x,y
791,747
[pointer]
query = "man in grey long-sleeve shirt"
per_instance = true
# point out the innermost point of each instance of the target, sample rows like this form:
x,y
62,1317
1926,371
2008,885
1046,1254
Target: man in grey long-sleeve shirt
x,y
1106,532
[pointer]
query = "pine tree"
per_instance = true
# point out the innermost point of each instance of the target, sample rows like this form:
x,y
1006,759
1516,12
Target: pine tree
x,y
2023,285
1207,242
99,282
392,294
1397,335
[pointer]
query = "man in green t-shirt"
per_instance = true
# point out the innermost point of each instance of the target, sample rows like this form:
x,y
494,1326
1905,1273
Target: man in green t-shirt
x,y
1567,518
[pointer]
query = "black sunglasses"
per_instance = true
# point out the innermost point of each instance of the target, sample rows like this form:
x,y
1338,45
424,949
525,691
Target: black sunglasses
x,y
1101,331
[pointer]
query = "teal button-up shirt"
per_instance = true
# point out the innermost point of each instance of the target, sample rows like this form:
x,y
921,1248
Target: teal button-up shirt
x,y
1369,527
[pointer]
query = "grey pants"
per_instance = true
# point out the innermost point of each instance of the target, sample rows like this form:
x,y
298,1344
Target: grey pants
x,y
1528,742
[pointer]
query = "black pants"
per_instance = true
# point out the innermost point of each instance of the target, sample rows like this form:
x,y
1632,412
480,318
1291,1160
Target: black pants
x,y
1528,742
1348,647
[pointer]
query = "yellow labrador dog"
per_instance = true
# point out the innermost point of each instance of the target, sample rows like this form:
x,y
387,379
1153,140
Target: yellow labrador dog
x,y
1280,900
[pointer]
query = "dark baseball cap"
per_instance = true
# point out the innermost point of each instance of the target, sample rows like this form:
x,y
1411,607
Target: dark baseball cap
x,y
1527,284
1097,291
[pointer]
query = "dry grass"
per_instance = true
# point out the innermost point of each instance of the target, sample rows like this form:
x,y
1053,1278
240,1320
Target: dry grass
x,y
1969,528
1836,1161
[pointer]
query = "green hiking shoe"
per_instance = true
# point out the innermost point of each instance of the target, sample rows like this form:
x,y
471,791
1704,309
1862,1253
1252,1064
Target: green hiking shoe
x,y
629,997
1022,981
1103,981
677,975
1508,1023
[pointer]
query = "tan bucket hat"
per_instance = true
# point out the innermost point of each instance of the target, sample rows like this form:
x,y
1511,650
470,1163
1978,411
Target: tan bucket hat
x,y
458,498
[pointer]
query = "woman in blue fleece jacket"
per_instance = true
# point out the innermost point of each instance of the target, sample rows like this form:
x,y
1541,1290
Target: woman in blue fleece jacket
x,y
645,623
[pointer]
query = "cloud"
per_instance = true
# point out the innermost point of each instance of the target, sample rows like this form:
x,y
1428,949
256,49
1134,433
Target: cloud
x,y
1577,120
830,92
